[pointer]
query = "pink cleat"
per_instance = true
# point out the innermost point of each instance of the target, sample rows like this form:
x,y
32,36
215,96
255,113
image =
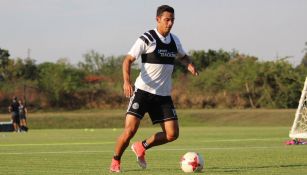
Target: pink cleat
x,y
139,151
296,142
115,166
290,142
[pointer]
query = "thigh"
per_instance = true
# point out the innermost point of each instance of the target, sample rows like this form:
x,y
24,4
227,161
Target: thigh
x,y
162,109
170,127
132,123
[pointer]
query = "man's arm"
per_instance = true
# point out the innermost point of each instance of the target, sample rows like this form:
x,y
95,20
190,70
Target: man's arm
x,y
128,89
186,60
26,111
10,108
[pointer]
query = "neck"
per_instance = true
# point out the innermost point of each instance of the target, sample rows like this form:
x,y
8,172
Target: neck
x,y
162,33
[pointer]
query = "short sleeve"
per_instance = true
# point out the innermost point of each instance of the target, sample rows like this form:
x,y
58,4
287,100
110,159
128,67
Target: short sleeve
x,y
138,48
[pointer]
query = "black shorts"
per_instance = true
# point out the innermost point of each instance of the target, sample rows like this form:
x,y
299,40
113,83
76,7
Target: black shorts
x,y
159,108
22,116
15,117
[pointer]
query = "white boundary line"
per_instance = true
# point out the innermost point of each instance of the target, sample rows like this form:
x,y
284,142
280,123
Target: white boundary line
x,y
56,144
107,143
239,140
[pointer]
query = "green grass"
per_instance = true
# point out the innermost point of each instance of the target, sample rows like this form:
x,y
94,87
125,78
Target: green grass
x,y
188,117
227,150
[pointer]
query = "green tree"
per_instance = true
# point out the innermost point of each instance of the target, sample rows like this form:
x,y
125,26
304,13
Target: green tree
x,y
243,73
204,59
4,58
60,82
278,85
93,62
30,70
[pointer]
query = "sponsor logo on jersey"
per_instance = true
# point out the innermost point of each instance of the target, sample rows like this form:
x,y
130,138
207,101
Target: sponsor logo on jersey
x,y
166,53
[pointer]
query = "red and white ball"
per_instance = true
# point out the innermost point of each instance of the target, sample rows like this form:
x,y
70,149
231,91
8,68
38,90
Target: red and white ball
x,y
192,162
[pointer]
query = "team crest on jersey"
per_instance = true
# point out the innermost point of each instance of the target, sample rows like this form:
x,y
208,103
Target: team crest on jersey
x,y
135,106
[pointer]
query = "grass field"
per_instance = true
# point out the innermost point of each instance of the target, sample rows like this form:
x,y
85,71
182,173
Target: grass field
x,y
188,117
227,150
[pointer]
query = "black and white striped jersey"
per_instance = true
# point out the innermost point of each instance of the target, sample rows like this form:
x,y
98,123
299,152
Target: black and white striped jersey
x,y
158,54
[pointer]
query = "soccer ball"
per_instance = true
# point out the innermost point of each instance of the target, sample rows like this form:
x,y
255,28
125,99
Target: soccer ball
x,y
191,162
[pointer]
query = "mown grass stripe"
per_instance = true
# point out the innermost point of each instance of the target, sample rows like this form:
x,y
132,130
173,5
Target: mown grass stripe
x,y
155,149
105,143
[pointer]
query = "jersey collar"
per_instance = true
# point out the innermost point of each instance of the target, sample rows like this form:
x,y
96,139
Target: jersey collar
x,y
162,38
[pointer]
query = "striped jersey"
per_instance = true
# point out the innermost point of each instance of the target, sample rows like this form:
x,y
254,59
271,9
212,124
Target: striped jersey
x,y
158,54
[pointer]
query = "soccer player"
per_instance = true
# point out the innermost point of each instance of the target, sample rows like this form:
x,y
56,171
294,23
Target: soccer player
x,y
158,49
13,109
23,112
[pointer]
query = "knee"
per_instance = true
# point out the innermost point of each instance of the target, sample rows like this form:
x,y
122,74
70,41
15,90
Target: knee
x,y
129,133
172,136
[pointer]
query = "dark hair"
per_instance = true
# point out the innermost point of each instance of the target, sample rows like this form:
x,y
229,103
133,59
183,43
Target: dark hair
x,y
164,8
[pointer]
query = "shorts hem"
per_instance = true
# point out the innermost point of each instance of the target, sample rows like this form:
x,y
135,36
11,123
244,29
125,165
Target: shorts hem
x,y
135,114
164,120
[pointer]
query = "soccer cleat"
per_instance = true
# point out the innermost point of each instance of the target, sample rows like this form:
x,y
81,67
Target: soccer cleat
x,y
115,166
296,142
139,151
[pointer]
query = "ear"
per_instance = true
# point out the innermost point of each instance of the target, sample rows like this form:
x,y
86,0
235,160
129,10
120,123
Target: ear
x,y
158,18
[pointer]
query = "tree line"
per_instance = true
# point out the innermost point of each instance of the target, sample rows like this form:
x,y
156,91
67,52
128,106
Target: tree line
x,y
227,79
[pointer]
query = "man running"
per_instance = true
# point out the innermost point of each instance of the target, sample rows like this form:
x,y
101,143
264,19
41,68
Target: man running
x,y
158,49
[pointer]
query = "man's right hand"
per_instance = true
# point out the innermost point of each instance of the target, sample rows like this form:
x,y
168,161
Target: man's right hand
x,y
128,89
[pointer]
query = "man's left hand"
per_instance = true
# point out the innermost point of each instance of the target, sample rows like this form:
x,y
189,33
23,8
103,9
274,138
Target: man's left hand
x,y
192,69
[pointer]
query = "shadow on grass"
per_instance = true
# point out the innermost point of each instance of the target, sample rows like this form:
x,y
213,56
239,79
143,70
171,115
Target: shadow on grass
x,y
157,170
133,170
245,169
149,170
221,170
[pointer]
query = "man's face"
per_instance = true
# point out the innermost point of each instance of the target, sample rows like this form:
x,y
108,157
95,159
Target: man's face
x,y
165,22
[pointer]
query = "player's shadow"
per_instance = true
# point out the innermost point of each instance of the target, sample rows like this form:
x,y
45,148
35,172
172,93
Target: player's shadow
x,y
249,168
135,170
148,170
